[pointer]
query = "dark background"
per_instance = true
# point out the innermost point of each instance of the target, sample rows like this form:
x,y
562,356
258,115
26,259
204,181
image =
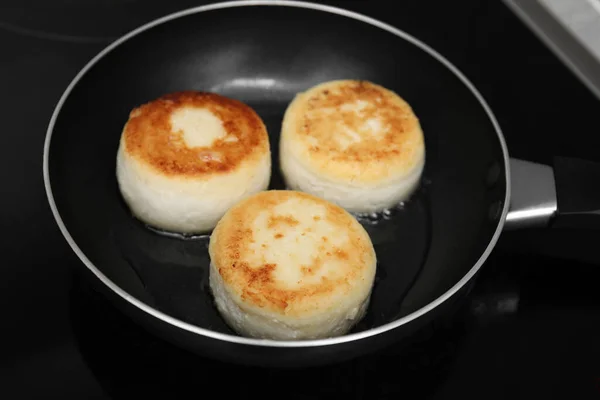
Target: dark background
x,y
532,323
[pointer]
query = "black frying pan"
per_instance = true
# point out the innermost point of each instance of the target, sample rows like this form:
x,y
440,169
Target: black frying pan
x,y
263,53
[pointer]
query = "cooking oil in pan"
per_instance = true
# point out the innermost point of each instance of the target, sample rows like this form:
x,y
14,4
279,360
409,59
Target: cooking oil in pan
x,y
376,217
177,235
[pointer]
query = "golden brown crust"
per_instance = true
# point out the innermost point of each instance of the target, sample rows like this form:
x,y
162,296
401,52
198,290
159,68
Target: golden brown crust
x,y
148,135
357,127
256,281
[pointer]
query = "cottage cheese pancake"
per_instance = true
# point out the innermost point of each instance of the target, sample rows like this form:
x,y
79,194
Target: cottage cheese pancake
x,y
186,157
354,143
288,265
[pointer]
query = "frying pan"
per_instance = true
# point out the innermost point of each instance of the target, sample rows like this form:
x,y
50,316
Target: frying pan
x,y
263,53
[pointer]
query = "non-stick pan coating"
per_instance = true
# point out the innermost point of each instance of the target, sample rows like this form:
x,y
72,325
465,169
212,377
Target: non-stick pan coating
x,y
263,55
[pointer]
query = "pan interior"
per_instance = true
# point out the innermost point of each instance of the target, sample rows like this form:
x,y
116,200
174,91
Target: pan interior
x,y
264,55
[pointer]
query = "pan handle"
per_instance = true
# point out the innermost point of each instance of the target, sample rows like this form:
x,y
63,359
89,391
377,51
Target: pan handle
x,y
564,195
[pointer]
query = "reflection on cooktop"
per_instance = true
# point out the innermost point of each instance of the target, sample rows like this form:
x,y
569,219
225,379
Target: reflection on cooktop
x,y
128,361
92,21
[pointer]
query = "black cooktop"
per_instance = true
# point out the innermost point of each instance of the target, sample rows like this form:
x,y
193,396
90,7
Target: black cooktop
x,y
530,326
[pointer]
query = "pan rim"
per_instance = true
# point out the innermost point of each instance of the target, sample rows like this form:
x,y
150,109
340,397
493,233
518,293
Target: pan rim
x,y
165,318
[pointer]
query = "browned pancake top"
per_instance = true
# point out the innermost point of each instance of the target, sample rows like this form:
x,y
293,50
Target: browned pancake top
x,y
149,136
292,253
354,130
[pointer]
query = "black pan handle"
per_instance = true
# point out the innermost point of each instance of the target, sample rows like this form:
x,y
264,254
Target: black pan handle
x,y
578,193
564,195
